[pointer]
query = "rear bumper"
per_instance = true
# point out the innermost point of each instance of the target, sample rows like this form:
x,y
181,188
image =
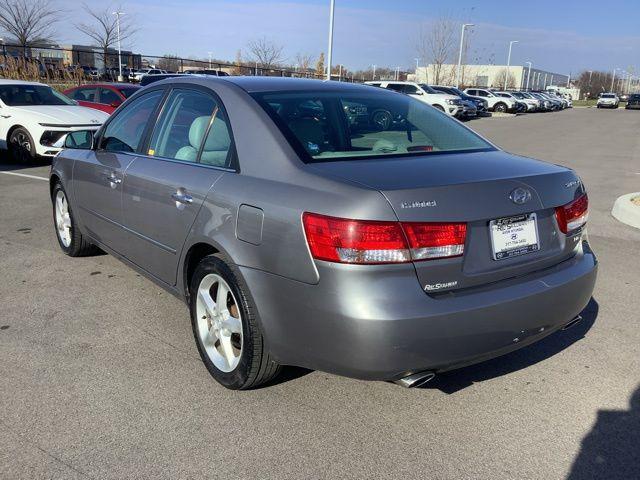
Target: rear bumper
x,y
377,323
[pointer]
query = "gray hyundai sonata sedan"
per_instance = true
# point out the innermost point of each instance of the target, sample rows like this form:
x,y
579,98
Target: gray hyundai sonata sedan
x,y
337,227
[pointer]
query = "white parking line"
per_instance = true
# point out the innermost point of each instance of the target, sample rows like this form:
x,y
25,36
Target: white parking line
x,y
25,175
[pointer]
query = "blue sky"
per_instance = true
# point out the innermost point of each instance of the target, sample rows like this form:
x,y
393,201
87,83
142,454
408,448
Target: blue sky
x,y
568,36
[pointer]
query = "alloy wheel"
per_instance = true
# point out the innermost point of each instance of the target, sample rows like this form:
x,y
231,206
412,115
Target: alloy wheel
x,y
219,322
21,146
63,219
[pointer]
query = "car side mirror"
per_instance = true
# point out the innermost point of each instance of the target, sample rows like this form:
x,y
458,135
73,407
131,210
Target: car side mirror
x,y
115,104
79,140
419,93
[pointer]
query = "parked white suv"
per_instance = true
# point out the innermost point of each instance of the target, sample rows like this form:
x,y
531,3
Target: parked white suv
x,y
137,76
609,100
444,102
36,119
496,103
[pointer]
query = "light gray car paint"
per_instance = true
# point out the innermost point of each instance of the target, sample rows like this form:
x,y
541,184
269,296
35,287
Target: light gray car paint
x,y
373,322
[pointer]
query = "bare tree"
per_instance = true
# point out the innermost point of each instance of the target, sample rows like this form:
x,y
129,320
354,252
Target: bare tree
x,y
169,62
436,44
102,29
267,53
304,60
320,65
500,79
28,22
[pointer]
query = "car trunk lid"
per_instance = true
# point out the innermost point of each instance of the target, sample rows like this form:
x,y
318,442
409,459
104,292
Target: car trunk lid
x,y
478,189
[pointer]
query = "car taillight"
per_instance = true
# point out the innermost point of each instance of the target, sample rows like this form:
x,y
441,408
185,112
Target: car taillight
x,y
435,240
372,242
573,215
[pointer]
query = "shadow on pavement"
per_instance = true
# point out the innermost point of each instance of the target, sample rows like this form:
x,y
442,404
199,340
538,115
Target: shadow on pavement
x,y
456,380
8,164
611,450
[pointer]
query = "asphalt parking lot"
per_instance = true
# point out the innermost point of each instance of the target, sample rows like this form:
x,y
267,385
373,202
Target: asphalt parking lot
x,y
100,377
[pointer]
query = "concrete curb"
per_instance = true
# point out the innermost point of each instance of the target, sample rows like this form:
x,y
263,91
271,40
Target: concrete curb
x,y
625,211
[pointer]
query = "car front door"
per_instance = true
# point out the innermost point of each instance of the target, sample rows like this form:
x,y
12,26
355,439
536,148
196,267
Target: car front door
x,y
86,96
189,150
97,179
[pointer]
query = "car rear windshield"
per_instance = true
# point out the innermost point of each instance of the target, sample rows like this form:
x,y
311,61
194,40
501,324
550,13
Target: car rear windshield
x,y
23,95
608,95
358,124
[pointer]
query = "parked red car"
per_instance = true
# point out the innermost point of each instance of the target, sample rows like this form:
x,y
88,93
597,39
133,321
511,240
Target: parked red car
x,y
102,96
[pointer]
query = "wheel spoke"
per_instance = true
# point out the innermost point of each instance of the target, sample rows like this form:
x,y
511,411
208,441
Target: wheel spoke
x,y
227,349
66,220
233,324
221,299
207,301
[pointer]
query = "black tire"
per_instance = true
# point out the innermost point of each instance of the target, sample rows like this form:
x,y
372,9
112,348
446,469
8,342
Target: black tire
x,y
21,146
500,107
79,246
256,366
439,107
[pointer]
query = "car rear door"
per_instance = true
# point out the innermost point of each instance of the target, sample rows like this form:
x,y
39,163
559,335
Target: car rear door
x,y
97,179
188,151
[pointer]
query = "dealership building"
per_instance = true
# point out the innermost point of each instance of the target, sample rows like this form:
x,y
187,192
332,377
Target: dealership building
x,y
519,76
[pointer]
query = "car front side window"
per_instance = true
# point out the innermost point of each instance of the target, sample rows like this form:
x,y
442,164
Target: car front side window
x,y
109,97
124,132
182,126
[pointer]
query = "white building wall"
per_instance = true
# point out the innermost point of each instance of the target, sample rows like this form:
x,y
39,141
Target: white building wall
x,y
491,76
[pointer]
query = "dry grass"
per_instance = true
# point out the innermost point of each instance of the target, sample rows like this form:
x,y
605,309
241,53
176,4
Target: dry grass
x,y
28,70
636,200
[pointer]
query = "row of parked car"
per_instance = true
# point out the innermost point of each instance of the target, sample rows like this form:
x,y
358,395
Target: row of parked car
x,y
32,132
131,75
473,102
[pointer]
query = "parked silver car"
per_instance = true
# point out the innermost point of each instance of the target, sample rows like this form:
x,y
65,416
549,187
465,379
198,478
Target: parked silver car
x,y
296,238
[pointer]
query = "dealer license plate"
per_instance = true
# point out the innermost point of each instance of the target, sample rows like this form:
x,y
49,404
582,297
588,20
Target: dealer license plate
x,y
514,236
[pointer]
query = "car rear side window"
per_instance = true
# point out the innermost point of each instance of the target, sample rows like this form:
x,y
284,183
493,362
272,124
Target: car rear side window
x,y
124,132
359,124
188,118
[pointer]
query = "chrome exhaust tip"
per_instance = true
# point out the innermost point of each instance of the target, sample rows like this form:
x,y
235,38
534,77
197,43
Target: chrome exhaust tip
x,y
572,323
415,379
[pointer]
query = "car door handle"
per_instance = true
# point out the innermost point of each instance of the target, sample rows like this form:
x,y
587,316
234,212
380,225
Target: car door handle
x,y
111,178
182,197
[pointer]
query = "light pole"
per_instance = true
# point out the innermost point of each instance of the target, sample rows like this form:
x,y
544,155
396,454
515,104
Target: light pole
x,y
374,73
330,49
464,25
118,14
209,60
528,75
340,73
506,77
613,79
417,65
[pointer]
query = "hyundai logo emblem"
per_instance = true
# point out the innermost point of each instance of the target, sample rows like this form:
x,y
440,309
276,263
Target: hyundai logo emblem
x,y
520,195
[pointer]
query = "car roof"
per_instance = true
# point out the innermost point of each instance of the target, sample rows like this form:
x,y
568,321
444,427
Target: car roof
x,y
268,84
107,84
5,81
